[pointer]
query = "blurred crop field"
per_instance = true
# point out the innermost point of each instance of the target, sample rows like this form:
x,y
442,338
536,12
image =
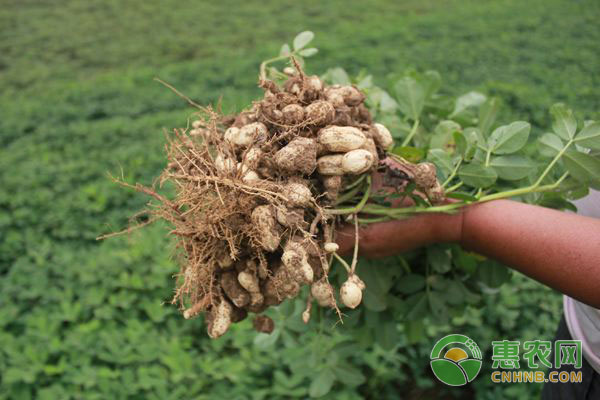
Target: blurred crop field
x,y
82,319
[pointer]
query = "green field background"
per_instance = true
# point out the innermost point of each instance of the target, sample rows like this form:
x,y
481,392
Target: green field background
x,y
82,319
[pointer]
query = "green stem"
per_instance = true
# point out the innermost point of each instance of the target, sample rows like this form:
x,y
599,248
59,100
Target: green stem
x,y
487,157
356,182
453,188
373,220
404,264
453,173
396,213
412,133
263,65
386,213
535,188
342,261
554,161
357,208
348,195
379,210
482,147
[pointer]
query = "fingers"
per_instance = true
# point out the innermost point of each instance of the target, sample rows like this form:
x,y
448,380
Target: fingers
x,y
394,237
344,237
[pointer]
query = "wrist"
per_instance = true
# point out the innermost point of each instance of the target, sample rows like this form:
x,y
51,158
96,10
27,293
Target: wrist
x,y
447,228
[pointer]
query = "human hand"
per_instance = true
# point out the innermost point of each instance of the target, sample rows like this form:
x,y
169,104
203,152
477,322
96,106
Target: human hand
x,y
385,239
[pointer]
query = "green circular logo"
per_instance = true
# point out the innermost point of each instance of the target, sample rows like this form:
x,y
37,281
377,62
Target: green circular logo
x,y
455,360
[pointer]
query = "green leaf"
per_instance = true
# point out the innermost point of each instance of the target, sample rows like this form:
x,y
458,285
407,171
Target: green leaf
x,y
473,137
412,154
438,257
302,39
264,341
583,167
338,76
442,161
365,82
477,175
510,138
374,301
493,274
321,385
461,196
512,167
410,97
442,134
471,99
461,143
564,123
410,283
308,52
437,306
573,188
589,136
487,114
465,261
556,201
285,50
431,81
550,144
453,293
386,333
378,281
417,306
348,375
387,102
414,330
380,99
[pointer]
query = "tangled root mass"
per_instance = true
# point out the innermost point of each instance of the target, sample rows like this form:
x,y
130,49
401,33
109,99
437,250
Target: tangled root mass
x,y
253,193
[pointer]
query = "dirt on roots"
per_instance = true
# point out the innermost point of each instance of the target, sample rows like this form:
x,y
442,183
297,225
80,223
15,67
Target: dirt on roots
x,y
254,193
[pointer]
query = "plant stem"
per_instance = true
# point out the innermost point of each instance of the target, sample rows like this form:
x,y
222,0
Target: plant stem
x,y
535,188
411,134
263,65
404,264
554,161
386,214
343,262
356,182
393,212
453,173
355,254
357,208
373,220
487,157
348,195
453,188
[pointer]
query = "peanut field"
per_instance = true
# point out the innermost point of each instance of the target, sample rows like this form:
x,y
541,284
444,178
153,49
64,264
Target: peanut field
x,y
88,319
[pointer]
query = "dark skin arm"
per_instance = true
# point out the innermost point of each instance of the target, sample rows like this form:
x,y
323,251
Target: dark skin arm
x,y
558,249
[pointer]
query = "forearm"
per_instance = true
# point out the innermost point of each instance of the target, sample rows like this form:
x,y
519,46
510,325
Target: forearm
x,y
558,249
